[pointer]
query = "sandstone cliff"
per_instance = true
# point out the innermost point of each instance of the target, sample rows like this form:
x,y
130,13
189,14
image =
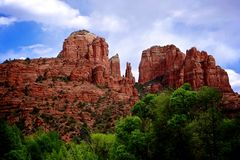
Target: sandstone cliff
x,y
168,67
81,85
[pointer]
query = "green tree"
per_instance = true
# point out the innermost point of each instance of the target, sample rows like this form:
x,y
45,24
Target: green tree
x,y
131,142
208,97
41,144
125,126
183,100
33,149
144,110
82,151
11,146
230,138
205,130
102,145
120,152
16,154
172,114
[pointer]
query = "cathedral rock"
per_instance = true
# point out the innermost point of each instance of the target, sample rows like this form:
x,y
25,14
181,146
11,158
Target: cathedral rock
x,y
168,67
82,85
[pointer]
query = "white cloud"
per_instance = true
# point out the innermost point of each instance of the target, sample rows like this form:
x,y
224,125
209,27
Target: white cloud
x,y
56,13
198,16
223,53
49,13
107,23
162,32
135,74
32,46
234,78
37,50
31,51
7,20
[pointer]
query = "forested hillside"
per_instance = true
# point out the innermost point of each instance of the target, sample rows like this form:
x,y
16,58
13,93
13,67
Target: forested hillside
x,y
175,124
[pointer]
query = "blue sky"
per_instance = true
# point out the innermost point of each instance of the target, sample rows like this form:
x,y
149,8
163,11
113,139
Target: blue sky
x,y
37,28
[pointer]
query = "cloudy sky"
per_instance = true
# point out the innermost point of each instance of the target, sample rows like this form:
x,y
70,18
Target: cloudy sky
x,y
37,28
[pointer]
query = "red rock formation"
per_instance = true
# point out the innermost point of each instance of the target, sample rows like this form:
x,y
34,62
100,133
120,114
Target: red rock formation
x,y
162,63
171,68
85,46
231,102
128,81
115,66
81,85
128,73
163,67
99,75
200,69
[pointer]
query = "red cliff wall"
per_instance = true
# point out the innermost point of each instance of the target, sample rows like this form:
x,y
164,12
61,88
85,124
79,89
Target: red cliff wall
x,y
172,68
167,67
81,85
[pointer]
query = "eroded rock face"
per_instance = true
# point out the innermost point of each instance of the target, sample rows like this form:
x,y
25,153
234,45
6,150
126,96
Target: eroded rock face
x,y
81,85
200,69
231,103
168,67
115,66
163,64
171,68
84,45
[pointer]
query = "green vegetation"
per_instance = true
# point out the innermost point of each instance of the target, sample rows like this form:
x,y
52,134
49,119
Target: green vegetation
x,y
180,124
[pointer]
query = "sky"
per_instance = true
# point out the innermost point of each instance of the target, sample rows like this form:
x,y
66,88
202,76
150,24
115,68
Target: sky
x,y
37,28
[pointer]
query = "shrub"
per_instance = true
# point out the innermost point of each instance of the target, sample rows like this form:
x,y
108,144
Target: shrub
x,y
40,78
27,60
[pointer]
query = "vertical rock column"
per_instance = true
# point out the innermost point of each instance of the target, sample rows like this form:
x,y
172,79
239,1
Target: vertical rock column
x,y
115,66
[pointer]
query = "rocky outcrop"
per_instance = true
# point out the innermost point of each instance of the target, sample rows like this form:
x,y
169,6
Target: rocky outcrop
x,y
128,73
81,85
163,64
200,69
231,103
83,45
129,81
115,66
167,67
